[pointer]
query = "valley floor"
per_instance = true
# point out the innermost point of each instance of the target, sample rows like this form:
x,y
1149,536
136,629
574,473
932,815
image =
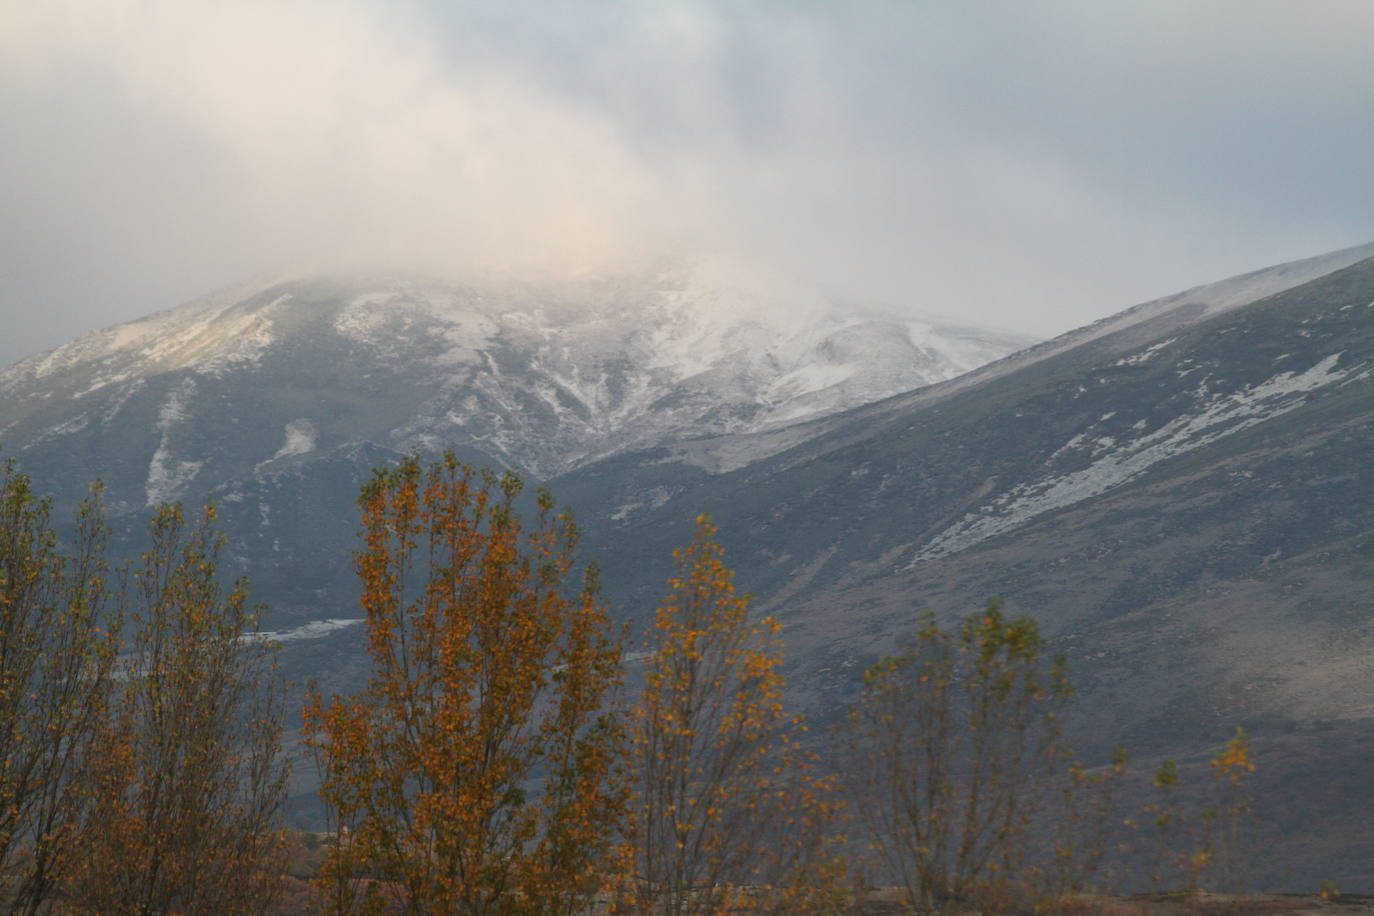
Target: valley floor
x,y
886,903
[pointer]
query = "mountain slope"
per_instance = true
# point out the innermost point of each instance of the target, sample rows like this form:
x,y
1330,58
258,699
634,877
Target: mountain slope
x,y
1186,505
977,469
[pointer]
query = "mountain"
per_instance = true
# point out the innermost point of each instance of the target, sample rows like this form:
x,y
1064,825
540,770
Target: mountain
x,y
277,398
1180,493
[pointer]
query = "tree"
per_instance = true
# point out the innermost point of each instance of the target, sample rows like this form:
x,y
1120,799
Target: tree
x,y
480,770
190,782
1229,816
958,737
725,798
1085,823
1192,845
1172,846
58,643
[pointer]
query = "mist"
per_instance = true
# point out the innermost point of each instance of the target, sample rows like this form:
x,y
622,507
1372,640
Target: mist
x,y
1029,168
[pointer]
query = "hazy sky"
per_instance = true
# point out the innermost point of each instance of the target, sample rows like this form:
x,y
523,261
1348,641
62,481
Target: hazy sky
x,y
1023,165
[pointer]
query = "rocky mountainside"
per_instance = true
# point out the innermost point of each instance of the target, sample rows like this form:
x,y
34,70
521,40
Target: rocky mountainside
x,y
1182,495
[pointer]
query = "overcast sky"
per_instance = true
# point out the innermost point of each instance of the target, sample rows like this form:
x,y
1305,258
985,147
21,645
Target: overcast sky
x,y
1031,166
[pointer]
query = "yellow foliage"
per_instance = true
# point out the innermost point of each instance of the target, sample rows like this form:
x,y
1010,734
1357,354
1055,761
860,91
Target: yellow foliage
x,y
486,677
721,781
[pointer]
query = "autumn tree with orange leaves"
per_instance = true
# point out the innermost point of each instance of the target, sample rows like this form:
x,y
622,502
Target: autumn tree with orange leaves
x,y
189,783
480,770
58,643
727,811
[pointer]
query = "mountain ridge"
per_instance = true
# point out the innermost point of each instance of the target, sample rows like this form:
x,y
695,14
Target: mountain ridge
x,y
536,377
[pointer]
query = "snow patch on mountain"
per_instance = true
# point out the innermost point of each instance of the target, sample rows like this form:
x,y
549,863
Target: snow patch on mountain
x,y
102,381
652,499
1144,356
300,438
316,629
67,427
1113,463
116,404
168,476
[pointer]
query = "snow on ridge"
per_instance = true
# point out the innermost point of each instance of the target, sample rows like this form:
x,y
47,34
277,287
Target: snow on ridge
x,y
1260,284
549,374
232,344
462,321
1220,416
846,360
1213,298
183,335
620,363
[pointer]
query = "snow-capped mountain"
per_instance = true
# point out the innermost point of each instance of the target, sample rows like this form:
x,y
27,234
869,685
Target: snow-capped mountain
x,y
545,377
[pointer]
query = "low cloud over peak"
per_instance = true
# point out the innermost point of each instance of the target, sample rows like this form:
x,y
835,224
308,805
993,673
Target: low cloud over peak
x,y
1028,169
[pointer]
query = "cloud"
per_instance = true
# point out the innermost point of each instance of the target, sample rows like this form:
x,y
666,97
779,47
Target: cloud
x,y
312,131
1032,167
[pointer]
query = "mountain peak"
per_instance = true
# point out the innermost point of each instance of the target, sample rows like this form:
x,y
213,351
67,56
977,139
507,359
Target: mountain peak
x,y
539,374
